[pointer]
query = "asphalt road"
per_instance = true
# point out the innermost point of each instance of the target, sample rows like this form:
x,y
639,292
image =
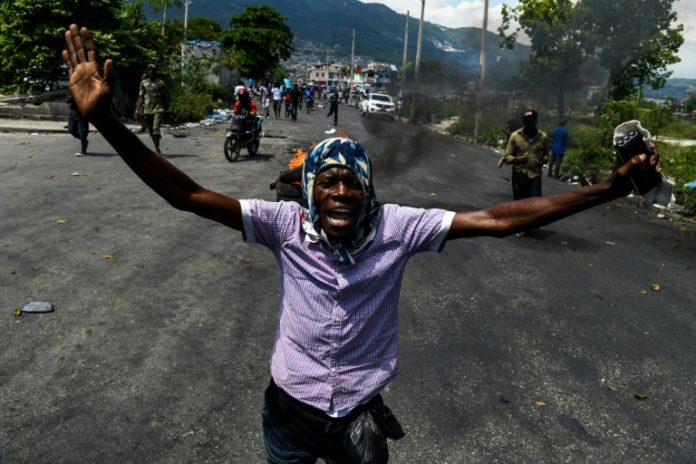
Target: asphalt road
x,y
556,347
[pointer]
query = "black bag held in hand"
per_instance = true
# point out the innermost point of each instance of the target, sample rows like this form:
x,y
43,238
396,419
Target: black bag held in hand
x,y
629,141
365,439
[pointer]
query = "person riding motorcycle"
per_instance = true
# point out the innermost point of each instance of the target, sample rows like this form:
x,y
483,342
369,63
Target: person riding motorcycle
x,y
309,98
246,108
244,105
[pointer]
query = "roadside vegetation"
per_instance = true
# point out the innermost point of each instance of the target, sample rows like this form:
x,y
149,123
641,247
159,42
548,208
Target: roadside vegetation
x,y
590,153
614,48
31,40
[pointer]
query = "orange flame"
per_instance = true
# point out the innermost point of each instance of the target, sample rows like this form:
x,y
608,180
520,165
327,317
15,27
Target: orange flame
x,y
298,159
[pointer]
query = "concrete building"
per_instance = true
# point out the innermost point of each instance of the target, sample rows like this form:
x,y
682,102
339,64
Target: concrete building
x,y
220,71
325,75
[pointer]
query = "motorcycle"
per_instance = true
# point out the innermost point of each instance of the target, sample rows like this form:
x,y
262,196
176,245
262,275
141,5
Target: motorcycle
x,y
245,131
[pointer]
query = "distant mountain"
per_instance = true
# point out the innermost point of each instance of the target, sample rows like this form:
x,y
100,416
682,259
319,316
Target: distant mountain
x,y
675,88
328,25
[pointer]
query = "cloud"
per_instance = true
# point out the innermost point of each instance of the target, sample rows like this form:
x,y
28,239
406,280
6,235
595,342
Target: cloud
x,y
469,13
686,15
450,13
687,67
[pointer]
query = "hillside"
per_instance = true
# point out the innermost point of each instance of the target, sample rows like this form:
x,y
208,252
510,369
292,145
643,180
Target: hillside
x,y
675,88
328,25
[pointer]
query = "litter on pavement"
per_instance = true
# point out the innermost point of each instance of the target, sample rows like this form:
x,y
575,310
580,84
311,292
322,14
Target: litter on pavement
x,y
37,307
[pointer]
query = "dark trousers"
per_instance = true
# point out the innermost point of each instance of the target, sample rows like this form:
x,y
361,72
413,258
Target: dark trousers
x,y
334,111
555,165
295,433
524,187
153,122
79,128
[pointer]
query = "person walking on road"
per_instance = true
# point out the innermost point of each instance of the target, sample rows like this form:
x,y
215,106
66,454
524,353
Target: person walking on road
x,y
559,143
143,122
287,98
264,99
527,151
277,92
77,125
333,106
341,261
295,101
152,103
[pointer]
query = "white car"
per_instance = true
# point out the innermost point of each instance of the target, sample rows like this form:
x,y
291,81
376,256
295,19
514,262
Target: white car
x,y
378,104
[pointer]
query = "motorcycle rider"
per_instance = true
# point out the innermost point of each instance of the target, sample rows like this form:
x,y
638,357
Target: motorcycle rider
x,y
244,105
309,98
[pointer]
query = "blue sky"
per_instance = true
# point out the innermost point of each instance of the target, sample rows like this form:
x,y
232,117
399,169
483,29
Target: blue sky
x,y
464,13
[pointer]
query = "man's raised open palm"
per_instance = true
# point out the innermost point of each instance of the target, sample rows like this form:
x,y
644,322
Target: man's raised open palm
x,y
89,88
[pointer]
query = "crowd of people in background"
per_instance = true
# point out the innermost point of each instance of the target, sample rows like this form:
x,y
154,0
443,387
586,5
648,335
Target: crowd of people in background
x,y
287,100
527,149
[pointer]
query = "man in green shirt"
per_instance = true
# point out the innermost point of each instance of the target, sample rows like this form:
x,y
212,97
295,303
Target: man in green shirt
x,y
527,151
152,104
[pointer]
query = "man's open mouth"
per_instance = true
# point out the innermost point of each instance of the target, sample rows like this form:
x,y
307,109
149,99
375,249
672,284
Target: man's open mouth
x,y
340,217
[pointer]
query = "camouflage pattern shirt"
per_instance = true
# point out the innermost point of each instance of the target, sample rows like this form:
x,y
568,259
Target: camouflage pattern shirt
x,y
152,93
537,148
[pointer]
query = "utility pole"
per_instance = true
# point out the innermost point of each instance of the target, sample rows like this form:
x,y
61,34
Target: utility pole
x,y
418,58
482,67
403,63
183,42
352,60
164,16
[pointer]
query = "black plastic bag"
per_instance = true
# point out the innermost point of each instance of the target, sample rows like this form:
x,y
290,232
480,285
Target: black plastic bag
x,y
365,439
364,442
386,419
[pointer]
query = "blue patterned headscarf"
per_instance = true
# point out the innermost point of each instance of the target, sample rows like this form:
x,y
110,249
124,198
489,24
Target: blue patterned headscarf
x,y
332,152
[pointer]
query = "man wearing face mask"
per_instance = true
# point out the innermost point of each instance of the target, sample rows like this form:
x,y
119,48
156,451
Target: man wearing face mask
x,y
527,151
341,260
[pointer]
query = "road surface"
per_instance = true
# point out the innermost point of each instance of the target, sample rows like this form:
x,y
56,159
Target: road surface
x,y
575,344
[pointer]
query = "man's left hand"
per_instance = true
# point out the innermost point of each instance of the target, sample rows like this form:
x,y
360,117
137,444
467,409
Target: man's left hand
x,y
621,180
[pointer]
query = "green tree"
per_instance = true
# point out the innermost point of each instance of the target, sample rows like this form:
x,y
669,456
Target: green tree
x,y
199,28
553,26
690,105
132,42
202,28
31,37
258,40
31,40
635,41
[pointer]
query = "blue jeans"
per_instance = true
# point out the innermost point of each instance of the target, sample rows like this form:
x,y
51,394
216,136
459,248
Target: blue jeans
x,y
78,128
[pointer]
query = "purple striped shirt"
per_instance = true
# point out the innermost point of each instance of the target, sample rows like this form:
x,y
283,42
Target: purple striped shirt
x,y
337,339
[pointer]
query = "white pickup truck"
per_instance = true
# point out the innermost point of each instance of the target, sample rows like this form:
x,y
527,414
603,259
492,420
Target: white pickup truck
x,y
378,104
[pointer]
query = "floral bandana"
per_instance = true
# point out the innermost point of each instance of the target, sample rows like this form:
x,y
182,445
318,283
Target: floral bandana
x,y
340,152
